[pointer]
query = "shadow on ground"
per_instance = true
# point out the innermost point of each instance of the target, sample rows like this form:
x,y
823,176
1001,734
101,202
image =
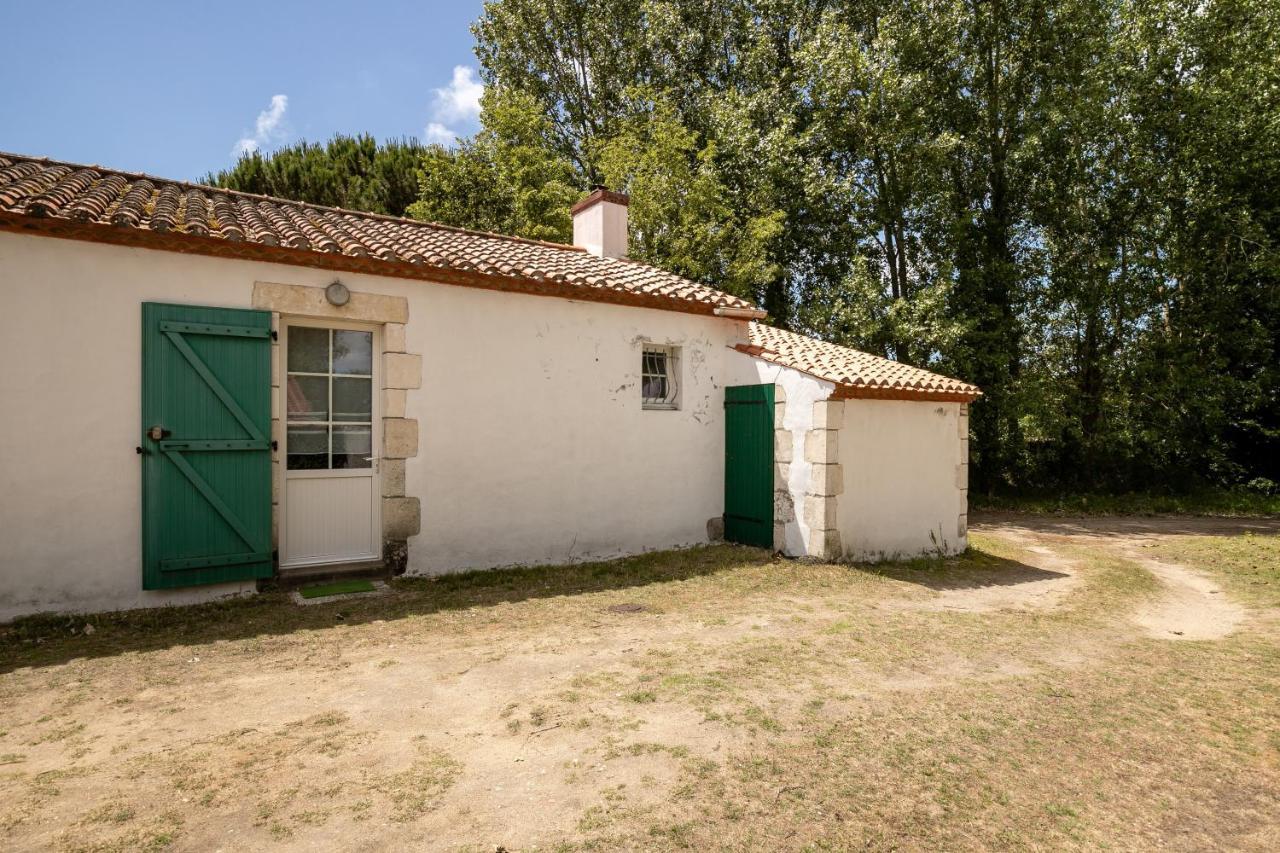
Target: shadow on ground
x,y
54,639
975,570
1125,526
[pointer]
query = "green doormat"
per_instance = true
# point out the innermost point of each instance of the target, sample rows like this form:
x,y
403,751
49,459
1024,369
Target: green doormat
x,y
325,590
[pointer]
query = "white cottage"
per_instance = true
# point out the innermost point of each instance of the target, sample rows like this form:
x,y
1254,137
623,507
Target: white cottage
x,y
203,389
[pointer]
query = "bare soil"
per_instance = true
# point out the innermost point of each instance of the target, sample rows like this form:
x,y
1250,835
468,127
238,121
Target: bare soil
x,y
1069,683
1190,605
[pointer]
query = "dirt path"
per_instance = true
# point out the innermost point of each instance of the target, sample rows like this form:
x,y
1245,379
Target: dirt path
x,y
1190,605
1041,586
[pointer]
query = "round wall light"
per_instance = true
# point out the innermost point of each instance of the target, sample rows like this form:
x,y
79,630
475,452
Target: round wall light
x,y
337,294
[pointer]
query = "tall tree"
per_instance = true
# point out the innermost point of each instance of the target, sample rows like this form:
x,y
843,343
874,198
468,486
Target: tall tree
x,y
510,178
723,71
1072,203
574,58
872,86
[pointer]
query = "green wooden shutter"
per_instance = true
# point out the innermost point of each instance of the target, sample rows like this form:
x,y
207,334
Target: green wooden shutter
x,y
206,481
748,464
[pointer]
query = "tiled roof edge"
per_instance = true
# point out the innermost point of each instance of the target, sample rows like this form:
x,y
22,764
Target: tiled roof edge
x,y
274,199
49,197
849,391
192,244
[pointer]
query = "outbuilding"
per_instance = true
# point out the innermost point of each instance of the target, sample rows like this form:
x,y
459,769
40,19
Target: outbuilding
x,y
204,389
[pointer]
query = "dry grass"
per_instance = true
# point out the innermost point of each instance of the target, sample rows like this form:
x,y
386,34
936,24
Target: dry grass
x,y
749,704
1249,565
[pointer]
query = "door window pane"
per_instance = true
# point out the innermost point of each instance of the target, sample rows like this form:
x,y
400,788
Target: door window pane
x,y
308,350
352,399
329,399
352,446
352,352
308,398
308,448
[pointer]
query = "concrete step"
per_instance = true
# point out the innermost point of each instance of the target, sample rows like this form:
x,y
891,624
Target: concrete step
x,y
306,575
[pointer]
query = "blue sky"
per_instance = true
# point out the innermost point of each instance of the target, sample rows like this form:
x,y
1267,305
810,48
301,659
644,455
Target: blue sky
x,y
176,89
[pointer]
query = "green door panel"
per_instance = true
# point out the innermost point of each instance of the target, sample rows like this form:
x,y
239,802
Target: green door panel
x,y
748,464
206,481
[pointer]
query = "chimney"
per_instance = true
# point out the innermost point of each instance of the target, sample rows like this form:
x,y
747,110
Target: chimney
x,y
600,223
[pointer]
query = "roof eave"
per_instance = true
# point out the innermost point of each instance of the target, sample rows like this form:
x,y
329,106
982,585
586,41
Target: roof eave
x,y
846,391
194,244
863,392
741,313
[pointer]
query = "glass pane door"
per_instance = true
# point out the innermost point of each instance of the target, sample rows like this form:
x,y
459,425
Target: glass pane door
x,y
329,399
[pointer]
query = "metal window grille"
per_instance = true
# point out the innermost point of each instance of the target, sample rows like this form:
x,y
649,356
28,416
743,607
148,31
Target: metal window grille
x,y
659,385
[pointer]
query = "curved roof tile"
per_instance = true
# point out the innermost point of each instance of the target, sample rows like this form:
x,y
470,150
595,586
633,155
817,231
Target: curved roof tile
x,y
93,197
857,374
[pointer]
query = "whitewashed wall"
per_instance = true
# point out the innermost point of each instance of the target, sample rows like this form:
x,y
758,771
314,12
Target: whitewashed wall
x,y
534,446
901,466
905,479
796,392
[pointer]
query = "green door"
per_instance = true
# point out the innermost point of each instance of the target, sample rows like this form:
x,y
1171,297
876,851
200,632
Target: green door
x,y
206,445
748,464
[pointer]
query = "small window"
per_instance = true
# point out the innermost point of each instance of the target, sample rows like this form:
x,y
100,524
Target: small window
x,y
659,377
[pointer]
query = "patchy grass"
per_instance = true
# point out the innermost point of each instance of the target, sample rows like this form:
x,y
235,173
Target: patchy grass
x,y
748,703
1239,503
36,640
1248,565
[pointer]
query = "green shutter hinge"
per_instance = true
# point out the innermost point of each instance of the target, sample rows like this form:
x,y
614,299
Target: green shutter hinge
x,y
275,445
275,336
275,555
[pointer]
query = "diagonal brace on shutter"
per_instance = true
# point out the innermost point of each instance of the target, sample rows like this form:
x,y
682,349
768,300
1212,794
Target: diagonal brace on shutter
x,y
214,385
212,497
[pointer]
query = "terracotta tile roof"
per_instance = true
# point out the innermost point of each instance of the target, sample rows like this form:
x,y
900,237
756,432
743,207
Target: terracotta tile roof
x,y
858,374
92,203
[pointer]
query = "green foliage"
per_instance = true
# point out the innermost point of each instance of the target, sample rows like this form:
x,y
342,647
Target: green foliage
x,y
1074,204
681,212
1225,502
508,178
352,172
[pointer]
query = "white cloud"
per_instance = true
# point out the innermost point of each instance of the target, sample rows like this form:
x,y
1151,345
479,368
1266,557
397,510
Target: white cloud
x,y
268,128
457,102
460,100
439,134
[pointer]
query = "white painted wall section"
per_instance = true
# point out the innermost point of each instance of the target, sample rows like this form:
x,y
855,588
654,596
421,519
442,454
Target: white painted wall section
x,y
902,464
798,392
601,229
534,447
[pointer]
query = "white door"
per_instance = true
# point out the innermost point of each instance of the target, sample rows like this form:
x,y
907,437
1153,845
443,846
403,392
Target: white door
x,y
330,505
